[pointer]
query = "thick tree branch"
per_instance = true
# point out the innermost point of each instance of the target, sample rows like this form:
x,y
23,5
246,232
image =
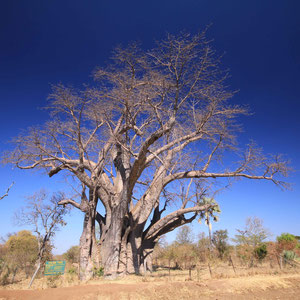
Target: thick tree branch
x,y
201,174
177,222
140,163
174,215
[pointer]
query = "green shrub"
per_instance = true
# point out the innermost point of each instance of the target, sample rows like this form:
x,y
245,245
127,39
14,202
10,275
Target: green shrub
x,y
286,242
261,252
72,270
98,272
286,237
289,255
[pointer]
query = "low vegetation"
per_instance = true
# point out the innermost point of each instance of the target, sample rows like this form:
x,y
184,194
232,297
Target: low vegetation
x,y
190,257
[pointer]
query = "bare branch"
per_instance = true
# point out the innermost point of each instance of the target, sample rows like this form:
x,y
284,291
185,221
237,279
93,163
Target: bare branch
x,y
201,174
6,194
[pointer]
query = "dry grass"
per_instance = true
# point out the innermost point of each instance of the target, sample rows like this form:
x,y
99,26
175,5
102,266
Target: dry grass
x,y
261,281
161,275
159,286
177,287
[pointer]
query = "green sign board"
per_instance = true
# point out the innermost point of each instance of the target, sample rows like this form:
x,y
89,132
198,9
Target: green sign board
x,y
55,267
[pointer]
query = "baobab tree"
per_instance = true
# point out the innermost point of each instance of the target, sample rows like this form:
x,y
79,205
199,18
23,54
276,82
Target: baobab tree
x,y
152,120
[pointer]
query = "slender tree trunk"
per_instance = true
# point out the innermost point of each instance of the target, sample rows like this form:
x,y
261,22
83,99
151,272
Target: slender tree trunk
x,y
40,257
14,274
35,273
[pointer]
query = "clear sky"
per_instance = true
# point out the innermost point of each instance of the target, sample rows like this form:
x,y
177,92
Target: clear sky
x,y
46,42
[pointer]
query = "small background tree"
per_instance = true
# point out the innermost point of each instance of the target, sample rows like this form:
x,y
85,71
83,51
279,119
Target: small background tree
x,y
72,255
45,216
159,251
185,235
18,253
220,241
203,247
251,237
22,252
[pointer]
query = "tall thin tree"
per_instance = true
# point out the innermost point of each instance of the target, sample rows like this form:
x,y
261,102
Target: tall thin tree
x,y
45,216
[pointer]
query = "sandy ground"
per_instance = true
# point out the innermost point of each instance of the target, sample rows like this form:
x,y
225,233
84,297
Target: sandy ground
x,y
284,286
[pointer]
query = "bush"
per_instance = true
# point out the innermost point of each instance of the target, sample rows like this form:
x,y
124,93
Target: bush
x,y
261,252
245,253
21,251
53,281
289,255
4,278
72,270
98,272
72,255
183,256
287,237
220,241
286,241
2,265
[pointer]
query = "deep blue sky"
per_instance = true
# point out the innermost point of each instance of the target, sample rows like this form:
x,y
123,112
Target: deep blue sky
x,y
45,42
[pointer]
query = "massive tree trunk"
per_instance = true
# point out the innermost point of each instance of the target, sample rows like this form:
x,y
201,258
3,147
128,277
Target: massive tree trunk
x,y
146,255
112,236
110,248
123,248
134,256
138,255
88,247
134,252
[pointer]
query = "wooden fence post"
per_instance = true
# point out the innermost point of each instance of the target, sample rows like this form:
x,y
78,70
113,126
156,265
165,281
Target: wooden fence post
x,y
231,261
210,270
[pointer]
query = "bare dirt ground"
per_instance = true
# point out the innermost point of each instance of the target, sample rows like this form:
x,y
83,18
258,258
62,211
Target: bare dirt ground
x,y
279,286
